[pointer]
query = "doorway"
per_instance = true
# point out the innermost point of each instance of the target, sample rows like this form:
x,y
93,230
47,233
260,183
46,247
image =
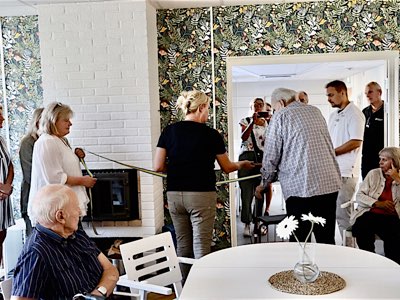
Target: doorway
x,y
251,77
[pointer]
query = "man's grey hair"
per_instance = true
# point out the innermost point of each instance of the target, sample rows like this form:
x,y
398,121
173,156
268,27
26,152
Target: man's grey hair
x,y
48,200
284,94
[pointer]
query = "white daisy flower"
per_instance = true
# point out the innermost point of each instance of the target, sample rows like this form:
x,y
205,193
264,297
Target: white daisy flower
x,y
311,218
286,227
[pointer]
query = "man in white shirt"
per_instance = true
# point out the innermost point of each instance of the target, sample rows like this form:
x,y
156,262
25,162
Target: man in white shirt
x,y
346,128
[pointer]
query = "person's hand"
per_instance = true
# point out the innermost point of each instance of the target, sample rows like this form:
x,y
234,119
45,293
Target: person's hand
x,y
88,181
259,191
6,190
393,172
246,164
80,153
387,205
255,116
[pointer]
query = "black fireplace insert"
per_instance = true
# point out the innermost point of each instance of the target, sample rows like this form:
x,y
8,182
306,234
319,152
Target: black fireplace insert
x,y
115,196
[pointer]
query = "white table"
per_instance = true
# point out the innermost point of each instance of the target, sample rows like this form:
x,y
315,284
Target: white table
x,y
242,273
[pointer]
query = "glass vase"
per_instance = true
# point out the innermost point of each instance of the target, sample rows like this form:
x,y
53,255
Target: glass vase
x,y
306,270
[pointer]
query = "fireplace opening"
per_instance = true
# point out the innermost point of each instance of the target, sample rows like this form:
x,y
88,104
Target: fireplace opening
x,y
115,196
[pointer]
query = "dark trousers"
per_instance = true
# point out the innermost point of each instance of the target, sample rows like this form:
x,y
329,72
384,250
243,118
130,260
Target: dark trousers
x,y
385,226
320,206
247,189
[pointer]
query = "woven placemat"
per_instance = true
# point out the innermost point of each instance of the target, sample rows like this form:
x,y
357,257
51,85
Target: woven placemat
x,y
326,283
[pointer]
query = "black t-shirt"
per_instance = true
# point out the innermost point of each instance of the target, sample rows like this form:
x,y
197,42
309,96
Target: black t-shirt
x,y
191,151
373,139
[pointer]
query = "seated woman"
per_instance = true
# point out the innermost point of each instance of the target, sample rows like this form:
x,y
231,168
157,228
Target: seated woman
x,y
378,208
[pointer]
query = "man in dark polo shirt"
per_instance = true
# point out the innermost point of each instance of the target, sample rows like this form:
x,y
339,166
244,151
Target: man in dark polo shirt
x,y
374,128
59,260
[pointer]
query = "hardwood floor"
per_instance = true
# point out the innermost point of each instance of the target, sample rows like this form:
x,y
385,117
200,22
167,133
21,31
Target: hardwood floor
x,y
153,296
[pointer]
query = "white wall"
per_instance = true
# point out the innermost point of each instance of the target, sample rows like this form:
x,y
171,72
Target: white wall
x,y
101,59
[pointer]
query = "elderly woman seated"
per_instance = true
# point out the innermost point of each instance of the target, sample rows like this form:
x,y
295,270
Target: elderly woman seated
x,y
378,208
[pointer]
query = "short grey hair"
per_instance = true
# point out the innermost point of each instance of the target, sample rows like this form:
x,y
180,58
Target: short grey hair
x,y
48,200
393,153
284,94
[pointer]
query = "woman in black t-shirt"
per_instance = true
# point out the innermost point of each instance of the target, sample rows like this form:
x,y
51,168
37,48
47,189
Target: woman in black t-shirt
x,y
186,151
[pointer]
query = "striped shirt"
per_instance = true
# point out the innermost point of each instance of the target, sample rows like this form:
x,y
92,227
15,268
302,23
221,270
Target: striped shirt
x,y
52,267
298,147
6,211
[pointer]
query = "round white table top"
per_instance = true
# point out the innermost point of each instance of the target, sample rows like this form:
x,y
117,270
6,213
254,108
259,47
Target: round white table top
x,y
242,273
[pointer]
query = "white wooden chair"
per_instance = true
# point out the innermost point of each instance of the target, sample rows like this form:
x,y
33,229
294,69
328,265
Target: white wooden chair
x,y
347,233
6,287
151,264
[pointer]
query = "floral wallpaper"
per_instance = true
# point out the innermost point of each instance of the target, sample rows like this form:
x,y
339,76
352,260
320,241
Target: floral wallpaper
x,y
23,84
185,49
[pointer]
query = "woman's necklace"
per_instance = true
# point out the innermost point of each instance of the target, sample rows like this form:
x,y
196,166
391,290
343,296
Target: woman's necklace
x,y
65,142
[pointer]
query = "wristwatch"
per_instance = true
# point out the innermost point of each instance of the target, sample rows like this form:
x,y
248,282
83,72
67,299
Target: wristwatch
x,y
102,290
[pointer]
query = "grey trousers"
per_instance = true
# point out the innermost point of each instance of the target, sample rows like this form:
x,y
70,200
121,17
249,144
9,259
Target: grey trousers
x,y
346,193
247,189
193,215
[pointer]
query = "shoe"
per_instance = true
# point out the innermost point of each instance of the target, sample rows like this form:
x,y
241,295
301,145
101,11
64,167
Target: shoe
x,y
246,231
266,213
264,230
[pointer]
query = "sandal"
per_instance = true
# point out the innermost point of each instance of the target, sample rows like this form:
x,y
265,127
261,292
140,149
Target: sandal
x,y
264,230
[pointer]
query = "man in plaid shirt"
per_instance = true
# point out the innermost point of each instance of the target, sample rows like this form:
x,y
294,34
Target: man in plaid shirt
x,y
298,149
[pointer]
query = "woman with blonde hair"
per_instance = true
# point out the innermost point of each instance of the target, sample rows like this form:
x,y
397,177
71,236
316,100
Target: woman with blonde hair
x,y
25,158
186,151
53,159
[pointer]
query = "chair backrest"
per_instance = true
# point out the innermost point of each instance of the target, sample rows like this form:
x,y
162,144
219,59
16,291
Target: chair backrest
x,y
153,260
6,287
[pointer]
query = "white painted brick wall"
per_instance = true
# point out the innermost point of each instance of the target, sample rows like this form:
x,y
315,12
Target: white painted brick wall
x,y
101,59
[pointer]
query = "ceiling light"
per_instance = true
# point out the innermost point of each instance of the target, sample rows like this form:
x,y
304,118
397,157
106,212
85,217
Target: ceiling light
x,y
277,75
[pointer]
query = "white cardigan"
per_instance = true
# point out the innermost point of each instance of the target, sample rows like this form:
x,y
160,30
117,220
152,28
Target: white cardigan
x,y
370,190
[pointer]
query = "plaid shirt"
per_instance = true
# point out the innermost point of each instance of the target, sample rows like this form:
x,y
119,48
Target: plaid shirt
x,y
299,149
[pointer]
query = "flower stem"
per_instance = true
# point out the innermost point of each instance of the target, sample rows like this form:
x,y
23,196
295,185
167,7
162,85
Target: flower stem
x,y
305,243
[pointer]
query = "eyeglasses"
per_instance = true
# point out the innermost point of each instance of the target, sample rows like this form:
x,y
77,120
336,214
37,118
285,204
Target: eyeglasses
x,y
58,104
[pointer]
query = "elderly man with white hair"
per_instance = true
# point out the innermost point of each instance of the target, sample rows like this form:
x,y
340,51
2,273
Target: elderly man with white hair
x,y
299,150
59,260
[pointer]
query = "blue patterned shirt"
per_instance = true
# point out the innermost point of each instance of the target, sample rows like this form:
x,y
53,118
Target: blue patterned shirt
x,y
299,149
52,267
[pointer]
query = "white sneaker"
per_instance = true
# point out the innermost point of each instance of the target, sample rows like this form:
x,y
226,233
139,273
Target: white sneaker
x,y
246,231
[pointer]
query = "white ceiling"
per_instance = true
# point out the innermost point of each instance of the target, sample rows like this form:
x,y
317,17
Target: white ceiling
x,y
159,4
307,71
